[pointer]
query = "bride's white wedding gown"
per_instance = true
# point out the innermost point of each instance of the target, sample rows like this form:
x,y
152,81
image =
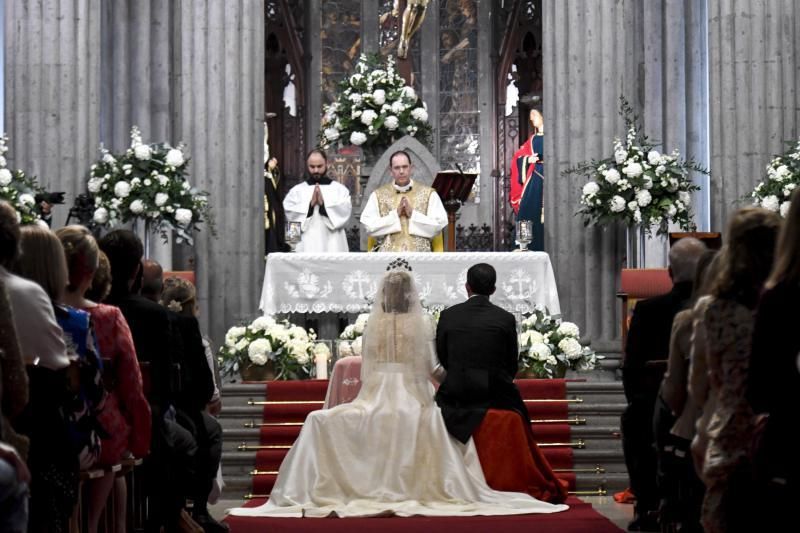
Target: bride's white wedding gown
x,y
388,451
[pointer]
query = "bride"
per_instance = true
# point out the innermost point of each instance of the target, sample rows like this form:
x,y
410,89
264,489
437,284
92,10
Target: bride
x,y
388,451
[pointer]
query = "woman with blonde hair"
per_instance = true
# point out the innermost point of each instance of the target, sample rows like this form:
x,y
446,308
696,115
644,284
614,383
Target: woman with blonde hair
x,y
723,328
126,415
774,384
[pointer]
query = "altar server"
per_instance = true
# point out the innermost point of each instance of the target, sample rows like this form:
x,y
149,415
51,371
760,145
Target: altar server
x,y
321,205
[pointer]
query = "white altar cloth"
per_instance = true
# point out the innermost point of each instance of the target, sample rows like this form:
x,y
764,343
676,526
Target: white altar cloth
x,y
347,282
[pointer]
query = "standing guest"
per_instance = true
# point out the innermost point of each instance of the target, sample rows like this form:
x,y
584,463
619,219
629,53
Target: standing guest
x,y
321,206
404,216
274,216
152,280
719,368
774,382
648,339
126,415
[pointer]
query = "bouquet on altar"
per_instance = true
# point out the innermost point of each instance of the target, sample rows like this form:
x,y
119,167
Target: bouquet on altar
x,y
289,348
638,185
374,107
549,347
783,176
148,182
18,189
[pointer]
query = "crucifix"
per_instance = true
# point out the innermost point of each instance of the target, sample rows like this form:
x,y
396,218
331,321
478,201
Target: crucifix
x,y
413,13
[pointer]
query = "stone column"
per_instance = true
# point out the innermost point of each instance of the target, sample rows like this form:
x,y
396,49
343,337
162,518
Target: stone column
x,y
754,57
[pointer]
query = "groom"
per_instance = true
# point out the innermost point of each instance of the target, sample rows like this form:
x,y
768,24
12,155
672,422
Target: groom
x,y
476,342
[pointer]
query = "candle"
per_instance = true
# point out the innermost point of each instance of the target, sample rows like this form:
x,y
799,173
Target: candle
x,y
322,367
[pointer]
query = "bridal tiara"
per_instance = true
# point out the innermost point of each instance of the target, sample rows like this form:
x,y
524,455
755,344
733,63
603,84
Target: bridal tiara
x,y
399,265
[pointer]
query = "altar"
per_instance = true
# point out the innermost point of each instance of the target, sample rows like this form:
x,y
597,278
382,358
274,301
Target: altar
x,y
347,282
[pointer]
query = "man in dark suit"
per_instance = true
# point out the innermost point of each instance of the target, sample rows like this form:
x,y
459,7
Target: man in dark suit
x,y
476,342
648,340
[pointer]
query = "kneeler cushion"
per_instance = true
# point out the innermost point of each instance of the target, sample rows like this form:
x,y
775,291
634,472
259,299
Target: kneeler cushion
x,y
512,461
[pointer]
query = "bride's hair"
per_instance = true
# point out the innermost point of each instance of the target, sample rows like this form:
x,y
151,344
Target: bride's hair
x,y
397,289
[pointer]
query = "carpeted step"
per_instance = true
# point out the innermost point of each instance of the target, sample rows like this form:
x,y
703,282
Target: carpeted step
x,y
310,389
288,412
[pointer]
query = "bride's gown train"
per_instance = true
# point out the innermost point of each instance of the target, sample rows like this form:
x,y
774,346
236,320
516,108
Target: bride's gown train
x,y
388,451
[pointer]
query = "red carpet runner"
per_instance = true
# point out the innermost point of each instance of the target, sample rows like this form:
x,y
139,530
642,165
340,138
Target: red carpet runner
x,y
281,430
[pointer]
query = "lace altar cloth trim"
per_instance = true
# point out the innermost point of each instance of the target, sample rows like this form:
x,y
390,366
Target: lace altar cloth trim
x,y
347,282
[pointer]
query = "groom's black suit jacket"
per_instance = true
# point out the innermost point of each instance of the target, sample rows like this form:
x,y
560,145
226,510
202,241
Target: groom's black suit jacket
x,y
476,342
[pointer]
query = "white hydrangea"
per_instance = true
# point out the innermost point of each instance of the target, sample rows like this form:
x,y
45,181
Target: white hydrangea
x,y
398,107
530,336
262,323
539,351
672,210
349,331
570,347
241,345
637,216
356,346
617,204
612,176
357,138
122,189
137,207
408,92
183,217
234,334
653,157
161,198
379,96
142,152
100,215
331,134
632,170
568,329
5,177
660,169
94,185
162,180
368,117
591,188
108,158
420,114
620,156
771,202
633,205
643,198
174,157
784,209
297,332
391,122
345,350
26,199
647,183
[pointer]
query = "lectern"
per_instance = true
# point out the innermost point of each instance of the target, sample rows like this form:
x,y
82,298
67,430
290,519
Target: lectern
x,y
453,188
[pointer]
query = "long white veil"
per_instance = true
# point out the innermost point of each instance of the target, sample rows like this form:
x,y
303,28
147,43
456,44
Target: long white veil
x,y
399,335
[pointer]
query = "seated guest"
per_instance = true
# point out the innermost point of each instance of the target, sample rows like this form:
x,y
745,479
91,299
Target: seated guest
x,y
100,288
680,489
152,280
774,382
648,339
476,343
197,389
719,366
126,415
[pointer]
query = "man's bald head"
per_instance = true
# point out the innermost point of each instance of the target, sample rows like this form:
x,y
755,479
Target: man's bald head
x,y
152,280
683,257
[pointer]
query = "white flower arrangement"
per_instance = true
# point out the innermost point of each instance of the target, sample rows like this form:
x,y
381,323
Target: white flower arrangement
x,y
148,182
291,349
638,185
374,107
549,347
18,189
783,177
349,343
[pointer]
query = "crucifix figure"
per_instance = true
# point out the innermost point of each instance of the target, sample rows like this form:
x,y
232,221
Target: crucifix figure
x,y
413,15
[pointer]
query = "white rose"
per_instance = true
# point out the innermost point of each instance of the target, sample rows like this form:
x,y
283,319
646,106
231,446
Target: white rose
x,y
298,333
162,180
147,182
94,185
672,211
398,107
258,358
259,346
183,216
633,205
137,206
262,323
653,157
408,92
571,348
357,138
142,151
174,157
241,345
161,198
591,188
331,134
122,189
620,156
391,122
612,176
530,337
568,329
379,96
100,215
632,170
660,169
784,209
617,204
420,114
684,197
643,198
539,351
368,117
5,177
26,199
771,202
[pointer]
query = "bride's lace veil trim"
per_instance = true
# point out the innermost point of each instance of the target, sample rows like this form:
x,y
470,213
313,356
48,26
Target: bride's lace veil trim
x,y
398,330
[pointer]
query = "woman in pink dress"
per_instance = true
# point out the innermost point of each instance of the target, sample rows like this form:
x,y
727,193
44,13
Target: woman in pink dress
x,y
126,416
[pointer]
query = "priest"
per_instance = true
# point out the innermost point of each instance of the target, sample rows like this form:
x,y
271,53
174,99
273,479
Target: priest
x,y
321,206
403,216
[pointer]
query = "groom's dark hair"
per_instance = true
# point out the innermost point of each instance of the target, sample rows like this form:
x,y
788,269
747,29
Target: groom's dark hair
x,y
481,279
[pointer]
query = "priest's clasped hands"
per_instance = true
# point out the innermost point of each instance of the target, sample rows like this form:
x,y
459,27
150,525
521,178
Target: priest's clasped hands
x,y
316,197
405,209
